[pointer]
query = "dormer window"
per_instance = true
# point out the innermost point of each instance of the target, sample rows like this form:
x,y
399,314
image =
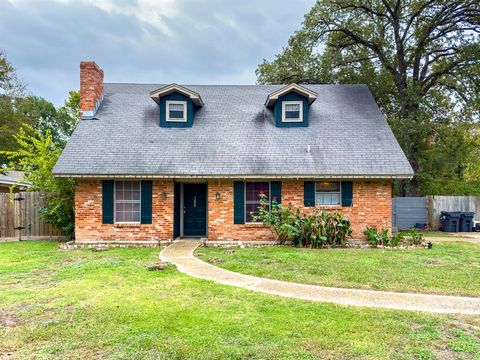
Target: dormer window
x,y
292,111
176,110
291,105
177,105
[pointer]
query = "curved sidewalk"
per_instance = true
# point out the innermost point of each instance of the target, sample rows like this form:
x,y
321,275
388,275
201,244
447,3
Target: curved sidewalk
x,y
181,254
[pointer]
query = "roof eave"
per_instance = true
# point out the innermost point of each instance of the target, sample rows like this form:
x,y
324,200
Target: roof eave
x,y
237,176
157,94
273,97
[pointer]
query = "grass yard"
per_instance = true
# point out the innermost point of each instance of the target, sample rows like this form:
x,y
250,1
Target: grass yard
x,y
438,234
449,268
71,304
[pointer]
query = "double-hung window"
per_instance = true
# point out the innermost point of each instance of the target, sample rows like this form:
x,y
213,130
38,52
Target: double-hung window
x,y
176,110
328,193
253,190
127,201
292,111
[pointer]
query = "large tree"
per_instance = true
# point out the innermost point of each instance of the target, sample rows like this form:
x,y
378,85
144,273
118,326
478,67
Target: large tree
x,y
17,108
420,58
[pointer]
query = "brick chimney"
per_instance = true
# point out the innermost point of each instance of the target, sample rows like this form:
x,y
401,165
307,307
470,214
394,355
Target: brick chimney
x,y
91,88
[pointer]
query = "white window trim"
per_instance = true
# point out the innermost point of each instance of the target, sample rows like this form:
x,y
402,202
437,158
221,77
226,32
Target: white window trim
x,y
284,103
115,204
176,102
340,193
245,200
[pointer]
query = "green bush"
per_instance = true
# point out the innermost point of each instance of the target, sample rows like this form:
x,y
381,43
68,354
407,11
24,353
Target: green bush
x,y
396,239
372,235
308,230
415,237
376,238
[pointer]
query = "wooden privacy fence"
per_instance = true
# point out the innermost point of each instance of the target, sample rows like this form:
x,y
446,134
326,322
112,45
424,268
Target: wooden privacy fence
x,y
409,211
20,217
437,204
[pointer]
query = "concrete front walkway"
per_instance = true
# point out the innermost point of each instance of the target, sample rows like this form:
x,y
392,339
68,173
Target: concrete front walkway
x,y
181,254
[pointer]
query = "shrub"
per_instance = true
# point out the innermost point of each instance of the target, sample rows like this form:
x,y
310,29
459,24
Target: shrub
x,y
415,237
372,235
396,239
309,230
376,238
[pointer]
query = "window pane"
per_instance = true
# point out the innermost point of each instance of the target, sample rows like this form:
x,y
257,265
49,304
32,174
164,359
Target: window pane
x,y
119,216
292,107
136,216
328,186
327,193
251,208
135,195
252,197
254,189
176,107
127,201
292,111
176,111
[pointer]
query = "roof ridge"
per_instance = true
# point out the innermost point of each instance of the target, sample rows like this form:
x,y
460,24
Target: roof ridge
x,y
227,85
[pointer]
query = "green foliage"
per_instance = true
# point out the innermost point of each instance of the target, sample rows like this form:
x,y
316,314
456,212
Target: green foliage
x,y
396,239
414,237
420,59
10,85
309,230
36,156
376,237
17,109
81,304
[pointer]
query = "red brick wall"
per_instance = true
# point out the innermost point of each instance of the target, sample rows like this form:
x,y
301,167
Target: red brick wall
x,y
88,215
371,207
372,204
220,217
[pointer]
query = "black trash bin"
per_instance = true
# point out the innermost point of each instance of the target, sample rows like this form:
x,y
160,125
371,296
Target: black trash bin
x,y
466,221
450,221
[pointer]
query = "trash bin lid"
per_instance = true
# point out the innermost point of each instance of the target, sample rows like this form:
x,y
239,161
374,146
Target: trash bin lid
x,y
468,214
454,214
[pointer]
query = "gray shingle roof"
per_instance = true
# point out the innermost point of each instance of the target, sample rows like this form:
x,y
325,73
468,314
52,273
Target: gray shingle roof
x,y
235,135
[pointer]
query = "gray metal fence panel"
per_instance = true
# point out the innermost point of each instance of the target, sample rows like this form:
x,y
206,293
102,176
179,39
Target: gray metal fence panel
x,y
408,211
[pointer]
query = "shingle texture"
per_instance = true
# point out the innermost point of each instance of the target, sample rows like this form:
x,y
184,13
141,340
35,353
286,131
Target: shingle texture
x,y
234,134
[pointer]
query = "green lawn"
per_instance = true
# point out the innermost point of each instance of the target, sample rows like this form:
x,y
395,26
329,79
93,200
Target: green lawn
x,y
448,268
71,304
437,234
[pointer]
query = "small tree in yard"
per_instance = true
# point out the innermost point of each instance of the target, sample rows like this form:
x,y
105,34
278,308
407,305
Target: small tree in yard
x,y
36,156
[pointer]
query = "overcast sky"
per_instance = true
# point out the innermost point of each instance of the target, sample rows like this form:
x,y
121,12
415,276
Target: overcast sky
x,y
149,41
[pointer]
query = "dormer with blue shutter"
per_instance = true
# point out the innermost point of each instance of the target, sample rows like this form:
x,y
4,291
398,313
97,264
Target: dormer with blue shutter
x,y
177,105
291,105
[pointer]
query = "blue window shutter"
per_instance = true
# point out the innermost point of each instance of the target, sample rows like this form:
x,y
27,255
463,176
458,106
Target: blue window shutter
x,y
107,201
239,202
276,191
146,203
347,193
309,193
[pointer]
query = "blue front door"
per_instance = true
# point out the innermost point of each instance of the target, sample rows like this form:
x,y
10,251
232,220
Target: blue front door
x,y
194,209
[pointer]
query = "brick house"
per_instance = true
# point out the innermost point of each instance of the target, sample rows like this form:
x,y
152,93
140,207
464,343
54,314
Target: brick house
x,y
157,162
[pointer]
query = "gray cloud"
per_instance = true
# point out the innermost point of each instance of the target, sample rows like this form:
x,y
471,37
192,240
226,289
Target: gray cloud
x,y
162,41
